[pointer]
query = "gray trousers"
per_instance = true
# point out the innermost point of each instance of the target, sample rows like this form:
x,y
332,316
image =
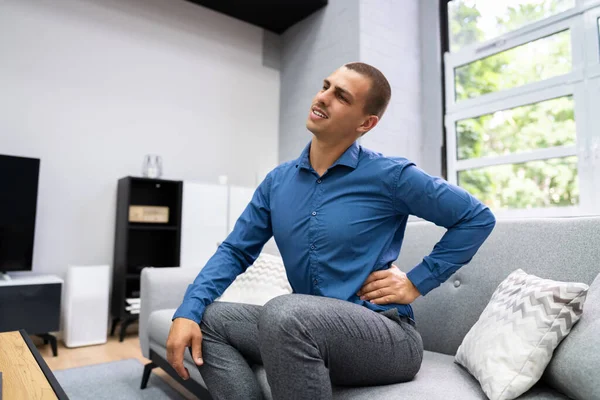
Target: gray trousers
x,y
306,344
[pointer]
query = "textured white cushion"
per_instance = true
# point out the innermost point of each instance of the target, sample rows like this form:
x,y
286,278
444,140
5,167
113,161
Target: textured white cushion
x,y
262,281
511,344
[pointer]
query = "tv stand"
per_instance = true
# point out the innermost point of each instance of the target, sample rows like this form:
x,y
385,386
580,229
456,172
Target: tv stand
x,y
5,277
31,302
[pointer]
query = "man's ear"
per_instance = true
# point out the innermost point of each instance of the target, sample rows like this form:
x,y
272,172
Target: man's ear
x,y
368,124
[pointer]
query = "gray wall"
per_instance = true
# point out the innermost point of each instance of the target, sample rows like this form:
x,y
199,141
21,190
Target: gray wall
x,y
91,86
431,87
389,40
311,50
401,38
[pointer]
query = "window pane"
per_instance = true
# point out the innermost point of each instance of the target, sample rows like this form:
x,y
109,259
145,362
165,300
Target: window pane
x,y
472,21
531,62
542,183
546,124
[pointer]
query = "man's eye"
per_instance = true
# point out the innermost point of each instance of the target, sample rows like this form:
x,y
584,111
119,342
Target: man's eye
x,y
324,88
342,97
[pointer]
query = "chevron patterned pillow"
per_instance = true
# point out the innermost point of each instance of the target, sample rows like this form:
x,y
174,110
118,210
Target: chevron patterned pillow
x,y
511,344
262,281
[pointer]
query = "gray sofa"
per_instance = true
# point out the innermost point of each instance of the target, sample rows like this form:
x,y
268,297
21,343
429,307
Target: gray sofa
x,y
565,249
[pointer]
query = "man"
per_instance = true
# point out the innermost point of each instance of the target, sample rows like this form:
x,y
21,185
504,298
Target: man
x,y
338,215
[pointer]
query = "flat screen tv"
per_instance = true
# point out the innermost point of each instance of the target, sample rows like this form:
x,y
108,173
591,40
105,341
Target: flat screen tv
x,y
18,204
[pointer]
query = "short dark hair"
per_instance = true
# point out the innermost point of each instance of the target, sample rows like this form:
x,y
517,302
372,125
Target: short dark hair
x,y
380,92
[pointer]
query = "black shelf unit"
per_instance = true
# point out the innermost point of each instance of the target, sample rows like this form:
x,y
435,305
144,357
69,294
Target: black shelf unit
x,y
139,245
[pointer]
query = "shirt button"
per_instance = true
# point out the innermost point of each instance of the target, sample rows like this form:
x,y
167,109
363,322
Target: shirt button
x,y
318,181
312,247
314,213
456,283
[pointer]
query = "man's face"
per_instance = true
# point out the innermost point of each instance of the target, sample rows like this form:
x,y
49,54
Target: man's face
x,y
337,110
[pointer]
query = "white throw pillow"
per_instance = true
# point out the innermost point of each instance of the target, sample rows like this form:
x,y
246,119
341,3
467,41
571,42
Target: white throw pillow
x,y
262,281
511,344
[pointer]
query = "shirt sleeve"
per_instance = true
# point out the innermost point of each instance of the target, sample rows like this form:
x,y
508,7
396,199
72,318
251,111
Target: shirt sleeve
x,y
239,250
469,223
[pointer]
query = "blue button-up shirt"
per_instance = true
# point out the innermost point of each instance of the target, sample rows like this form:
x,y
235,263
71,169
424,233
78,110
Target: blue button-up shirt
x,y
334,230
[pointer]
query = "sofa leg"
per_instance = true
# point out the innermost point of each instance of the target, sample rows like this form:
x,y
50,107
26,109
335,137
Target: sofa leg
x,y
147,371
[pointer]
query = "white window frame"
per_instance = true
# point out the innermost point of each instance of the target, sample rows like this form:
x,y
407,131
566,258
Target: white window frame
x,y
591,152
456,60
585,63
592,46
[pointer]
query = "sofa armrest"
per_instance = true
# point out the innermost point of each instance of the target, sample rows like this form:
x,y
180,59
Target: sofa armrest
x,y
161,288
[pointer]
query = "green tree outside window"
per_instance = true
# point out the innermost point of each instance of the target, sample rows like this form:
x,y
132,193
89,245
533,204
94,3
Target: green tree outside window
x,y
542,183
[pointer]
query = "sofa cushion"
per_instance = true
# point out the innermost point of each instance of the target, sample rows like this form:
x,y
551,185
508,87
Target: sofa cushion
x,y
439,377
576,361
451,380
511,344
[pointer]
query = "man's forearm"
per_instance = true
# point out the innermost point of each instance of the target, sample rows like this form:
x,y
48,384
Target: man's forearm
x,y
220,271
234,255
456,248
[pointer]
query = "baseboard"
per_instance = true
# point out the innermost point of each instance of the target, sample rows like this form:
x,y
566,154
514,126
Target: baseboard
x,y
84,344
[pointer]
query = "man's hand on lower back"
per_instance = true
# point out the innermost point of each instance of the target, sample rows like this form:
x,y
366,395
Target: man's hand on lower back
x,y
184,333
389,286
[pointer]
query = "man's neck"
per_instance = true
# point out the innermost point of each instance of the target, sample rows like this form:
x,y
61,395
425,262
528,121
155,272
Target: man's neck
x,y
322,155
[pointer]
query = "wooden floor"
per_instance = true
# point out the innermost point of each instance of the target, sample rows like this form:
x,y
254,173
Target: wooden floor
x,y
113,350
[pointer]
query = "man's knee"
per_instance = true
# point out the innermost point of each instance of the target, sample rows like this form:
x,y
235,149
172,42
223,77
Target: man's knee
x,y
213,315
282,313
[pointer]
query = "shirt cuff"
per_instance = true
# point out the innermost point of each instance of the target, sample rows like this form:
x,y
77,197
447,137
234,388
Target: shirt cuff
x,y
190,309
423,279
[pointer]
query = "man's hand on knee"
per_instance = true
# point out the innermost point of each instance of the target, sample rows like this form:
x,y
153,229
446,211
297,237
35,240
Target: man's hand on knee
x,y
183,334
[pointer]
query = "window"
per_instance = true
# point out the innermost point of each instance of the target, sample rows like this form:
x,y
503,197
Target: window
x,y
519,106
542,183
476,21
531,62
545,124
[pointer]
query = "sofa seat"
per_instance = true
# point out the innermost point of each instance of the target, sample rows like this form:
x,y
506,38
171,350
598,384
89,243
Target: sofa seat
x,y
439,377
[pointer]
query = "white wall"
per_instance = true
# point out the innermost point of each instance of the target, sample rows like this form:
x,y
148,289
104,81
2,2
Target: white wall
x,y
204,227
91,86
203,222
389,40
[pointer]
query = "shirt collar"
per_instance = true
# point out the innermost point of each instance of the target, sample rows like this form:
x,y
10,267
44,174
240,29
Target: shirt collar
x,y
349,158
303,161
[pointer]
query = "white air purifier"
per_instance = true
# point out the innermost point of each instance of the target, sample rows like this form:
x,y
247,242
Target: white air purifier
x,y
85,305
